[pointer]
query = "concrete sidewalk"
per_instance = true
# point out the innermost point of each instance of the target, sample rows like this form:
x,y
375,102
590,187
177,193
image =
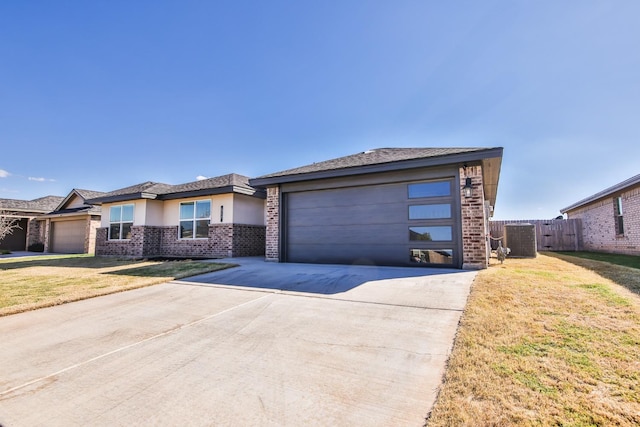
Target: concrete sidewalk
x,y
218,350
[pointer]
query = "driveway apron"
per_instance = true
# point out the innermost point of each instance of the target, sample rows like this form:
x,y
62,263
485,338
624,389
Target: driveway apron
x,y
259,344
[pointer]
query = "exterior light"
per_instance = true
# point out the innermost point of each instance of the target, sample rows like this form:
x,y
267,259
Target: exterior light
x,y
468,188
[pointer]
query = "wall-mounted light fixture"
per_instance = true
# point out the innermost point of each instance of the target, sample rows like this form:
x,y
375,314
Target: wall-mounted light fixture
x,y
468,188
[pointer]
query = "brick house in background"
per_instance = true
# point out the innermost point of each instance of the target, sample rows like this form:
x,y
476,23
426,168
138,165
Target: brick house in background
x,y
610,218
71,227
391,206
30,230
212,218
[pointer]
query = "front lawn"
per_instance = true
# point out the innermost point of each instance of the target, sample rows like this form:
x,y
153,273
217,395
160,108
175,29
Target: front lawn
x,y
546,341
35,282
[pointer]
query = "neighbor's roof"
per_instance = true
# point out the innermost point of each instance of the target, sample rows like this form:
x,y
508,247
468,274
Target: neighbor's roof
x,y
633,181
394,159
86,208
231,183
40,205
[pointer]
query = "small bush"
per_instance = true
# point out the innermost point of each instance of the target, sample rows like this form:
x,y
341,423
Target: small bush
x,y
4,252
36,247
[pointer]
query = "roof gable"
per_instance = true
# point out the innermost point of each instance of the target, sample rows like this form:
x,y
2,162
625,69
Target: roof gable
x,y
76,202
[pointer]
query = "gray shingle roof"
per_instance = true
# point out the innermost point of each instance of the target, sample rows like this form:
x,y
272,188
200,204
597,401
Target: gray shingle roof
x,y
373,157
622,186
40,205
89,194
232,179
225,183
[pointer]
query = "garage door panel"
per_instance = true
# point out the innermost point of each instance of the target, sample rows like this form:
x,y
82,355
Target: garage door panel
x,y
349,215
395,234
383,194
367,224
355,254
68,236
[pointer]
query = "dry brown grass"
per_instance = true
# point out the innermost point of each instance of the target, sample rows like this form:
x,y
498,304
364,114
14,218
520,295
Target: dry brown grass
x,y
36,282
545,342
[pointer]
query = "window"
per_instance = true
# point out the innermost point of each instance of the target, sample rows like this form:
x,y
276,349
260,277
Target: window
x,y
430,211
194,219
617,215
430,234
429,189
431,256
120,222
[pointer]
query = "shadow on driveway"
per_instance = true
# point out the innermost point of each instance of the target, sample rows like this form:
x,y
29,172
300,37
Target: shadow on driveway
x,y
310,278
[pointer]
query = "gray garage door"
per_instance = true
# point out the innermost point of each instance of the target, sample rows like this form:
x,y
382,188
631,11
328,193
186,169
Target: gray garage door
x,y
394,224
68,237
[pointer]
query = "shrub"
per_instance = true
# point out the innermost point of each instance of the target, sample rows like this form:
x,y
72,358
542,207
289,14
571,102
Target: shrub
x,y
36,247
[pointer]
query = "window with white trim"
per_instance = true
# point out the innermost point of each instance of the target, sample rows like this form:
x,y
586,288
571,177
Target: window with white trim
x,y
120,222
195,218
617,215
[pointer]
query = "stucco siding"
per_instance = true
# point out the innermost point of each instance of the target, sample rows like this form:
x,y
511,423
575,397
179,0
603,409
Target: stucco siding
x,y
248,210
172,209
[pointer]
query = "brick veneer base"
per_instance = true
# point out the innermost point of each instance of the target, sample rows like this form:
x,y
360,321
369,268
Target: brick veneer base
x,y
225,240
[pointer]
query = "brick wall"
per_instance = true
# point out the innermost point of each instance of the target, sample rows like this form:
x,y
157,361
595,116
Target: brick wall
x,y
273,224
598,224
248,240
475,251
225,240
35,232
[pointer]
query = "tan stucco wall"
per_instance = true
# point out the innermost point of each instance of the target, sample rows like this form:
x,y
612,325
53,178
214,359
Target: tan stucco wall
x,y
139,212
172,209
248,210
237,209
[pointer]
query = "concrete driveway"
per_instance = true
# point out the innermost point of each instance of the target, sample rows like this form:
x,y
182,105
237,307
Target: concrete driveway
x,y
260,344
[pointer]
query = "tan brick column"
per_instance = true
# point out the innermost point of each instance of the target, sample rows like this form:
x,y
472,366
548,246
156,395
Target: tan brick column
x,y
474,221
272,252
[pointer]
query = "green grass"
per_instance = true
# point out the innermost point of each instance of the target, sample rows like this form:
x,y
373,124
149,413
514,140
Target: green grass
x,y
28,283
618,259
549,341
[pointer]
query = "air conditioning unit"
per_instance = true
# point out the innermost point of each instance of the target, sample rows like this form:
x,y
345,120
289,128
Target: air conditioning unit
x,y
521,239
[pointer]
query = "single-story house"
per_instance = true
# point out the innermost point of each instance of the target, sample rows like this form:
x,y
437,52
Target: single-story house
x,y
27,212
388,206
610,218
71,227
211,218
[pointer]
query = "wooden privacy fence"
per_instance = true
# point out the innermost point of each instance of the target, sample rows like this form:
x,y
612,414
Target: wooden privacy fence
x,y
551,235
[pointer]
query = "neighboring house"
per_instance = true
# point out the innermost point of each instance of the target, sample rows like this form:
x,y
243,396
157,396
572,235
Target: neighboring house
x,y
216,217
27,211
71,227
611,218
389,206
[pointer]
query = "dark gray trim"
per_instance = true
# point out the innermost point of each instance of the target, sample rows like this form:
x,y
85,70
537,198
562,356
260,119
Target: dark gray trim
x,y
383,167
261,194
618,188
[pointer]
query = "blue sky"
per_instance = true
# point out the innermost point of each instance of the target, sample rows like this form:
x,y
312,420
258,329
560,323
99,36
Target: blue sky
x,y
101,95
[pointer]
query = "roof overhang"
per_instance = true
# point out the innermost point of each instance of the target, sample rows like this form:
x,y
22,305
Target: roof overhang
x,y
618,188
490,159
229,189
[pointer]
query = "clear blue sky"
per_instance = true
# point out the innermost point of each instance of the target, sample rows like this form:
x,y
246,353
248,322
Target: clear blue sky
x,y
101,95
